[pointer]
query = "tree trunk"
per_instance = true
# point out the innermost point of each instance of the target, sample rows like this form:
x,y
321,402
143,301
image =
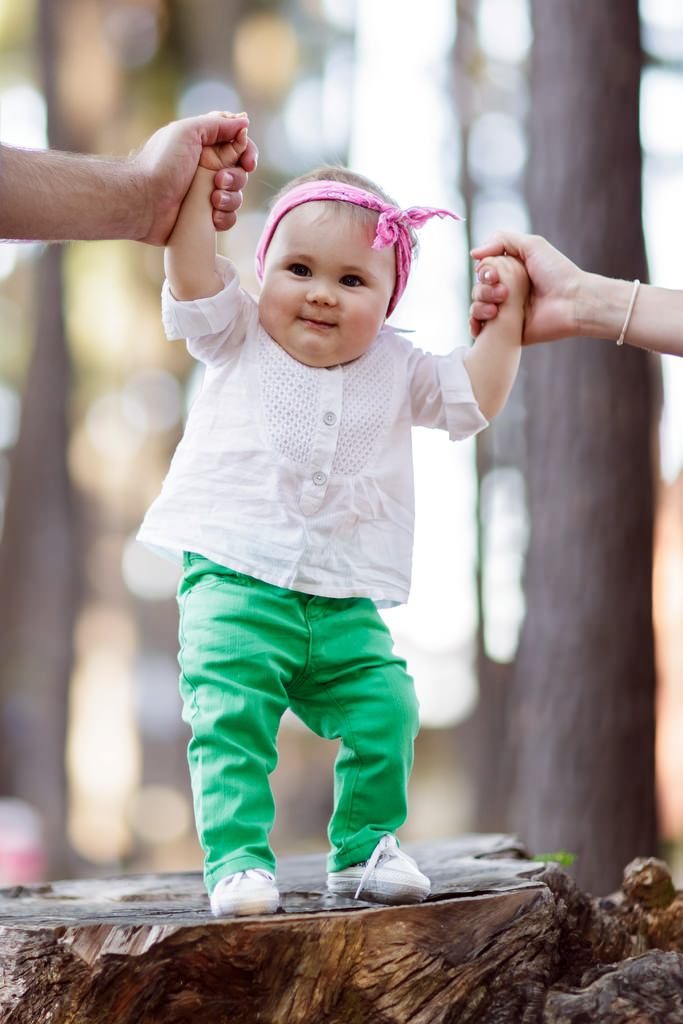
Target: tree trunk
x,y
502,940
584,678
38,558
38,567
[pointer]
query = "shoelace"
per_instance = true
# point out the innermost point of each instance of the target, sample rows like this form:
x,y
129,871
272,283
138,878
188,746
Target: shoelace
x,y
387,846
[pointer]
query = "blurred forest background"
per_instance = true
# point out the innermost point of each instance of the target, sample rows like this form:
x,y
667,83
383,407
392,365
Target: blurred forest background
x,y
544,628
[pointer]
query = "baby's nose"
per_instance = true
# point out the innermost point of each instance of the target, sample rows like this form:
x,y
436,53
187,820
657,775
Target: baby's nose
x,y
321,291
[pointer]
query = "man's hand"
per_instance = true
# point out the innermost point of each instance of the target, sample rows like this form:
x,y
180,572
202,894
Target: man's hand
x,y
225,159
167,162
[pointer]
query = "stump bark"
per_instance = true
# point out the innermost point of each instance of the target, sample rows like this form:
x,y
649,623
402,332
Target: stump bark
x,y
502,940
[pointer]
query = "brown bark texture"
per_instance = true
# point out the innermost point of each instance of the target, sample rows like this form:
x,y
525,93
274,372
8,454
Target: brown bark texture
x,y
582,703
38,563
502,940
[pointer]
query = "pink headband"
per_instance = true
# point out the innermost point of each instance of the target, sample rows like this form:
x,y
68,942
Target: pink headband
x,y
393,226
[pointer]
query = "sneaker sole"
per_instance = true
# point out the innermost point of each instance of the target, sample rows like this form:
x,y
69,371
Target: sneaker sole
x,y
247,908
386,893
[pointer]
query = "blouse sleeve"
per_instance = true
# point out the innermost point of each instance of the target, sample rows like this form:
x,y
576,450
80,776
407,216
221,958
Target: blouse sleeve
x,y
213,326
441,394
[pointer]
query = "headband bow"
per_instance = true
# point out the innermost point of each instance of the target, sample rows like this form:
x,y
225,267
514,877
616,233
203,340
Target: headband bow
x,y
393,225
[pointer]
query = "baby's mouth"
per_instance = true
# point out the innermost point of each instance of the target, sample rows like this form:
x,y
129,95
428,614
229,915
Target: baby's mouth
x,y
321,325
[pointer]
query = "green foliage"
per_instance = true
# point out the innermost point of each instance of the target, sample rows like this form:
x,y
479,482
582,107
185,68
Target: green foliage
x,y
563,857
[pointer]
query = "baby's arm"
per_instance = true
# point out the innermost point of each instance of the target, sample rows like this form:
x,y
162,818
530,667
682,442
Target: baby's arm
x,y
190,255
493,360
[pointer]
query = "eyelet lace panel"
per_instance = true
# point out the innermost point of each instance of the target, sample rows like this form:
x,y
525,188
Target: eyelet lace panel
x,y
290,392
368,385
291,401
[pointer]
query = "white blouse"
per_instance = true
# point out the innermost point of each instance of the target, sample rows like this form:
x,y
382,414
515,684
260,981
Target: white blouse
x,y
297,475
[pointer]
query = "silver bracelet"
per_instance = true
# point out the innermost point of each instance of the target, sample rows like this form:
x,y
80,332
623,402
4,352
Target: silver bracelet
x,y
629,311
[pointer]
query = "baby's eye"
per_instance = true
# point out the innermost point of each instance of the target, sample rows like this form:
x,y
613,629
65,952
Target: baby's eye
x,y
299,270
351,280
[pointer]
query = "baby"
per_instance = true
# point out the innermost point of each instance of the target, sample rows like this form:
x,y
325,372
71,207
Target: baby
x,y
290,502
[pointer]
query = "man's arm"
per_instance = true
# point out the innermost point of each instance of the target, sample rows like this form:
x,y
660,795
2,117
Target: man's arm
x,y
60,196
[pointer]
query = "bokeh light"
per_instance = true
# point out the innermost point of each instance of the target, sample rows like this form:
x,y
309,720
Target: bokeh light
x,y
337,88
497,149
152,401
341,13
504,29
103,752
10,412
23,116
208,94
497,209
305,106
159,814
146,574
661,100
505,537
9,257
662,28
132,31
267,57
157,699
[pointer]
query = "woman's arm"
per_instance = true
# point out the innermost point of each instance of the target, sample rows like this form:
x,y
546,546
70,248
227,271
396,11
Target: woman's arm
x,y
566,301
656,321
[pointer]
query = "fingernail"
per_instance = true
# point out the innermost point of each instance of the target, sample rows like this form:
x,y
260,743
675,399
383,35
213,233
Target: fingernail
x,y
228,180
486,276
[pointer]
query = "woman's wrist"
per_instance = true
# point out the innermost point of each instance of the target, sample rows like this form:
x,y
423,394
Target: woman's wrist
x,y
601,305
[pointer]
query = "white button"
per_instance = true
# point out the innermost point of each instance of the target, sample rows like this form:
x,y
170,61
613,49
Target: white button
x,y
329,419
319,478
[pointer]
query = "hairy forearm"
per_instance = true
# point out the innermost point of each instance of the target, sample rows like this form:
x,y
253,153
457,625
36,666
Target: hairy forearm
x,y
59,197
656,322
190,255
493,360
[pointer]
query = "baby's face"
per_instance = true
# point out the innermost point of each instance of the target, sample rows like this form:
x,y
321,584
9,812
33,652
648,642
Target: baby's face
x,y
325,289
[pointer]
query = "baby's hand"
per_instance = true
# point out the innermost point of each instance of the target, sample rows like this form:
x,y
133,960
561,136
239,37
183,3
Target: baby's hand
x,y
512,273
226,154
511,288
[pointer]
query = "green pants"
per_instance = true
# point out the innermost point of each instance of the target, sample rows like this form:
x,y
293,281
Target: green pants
x,y
249,650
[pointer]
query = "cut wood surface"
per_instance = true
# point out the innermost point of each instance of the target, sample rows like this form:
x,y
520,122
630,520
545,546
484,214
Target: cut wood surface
x,y
502,939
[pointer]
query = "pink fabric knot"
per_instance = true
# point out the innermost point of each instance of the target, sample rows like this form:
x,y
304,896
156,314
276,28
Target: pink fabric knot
x,y
392,220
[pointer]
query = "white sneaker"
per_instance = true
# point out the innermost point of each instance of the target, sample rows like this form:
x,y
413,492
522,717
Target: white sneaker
x,y
389,876
247,892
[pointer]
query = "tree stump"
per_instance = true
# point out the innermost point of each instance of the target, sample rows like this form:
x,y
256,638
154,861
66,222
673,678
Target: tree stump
x,y
503,939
